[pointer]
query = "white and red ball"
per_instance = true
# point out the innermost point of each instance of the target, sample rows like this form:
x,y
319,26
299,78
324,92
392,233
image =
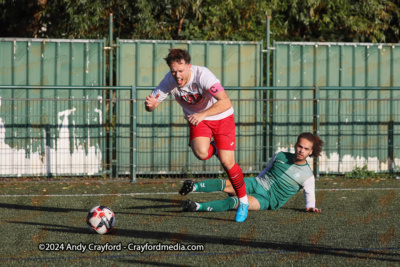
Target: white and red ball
x,y
100,219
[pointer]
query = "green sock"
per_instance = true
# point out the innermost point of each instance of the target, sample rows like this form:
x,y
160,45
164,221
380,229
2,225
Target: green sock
x,y
211,185
219,205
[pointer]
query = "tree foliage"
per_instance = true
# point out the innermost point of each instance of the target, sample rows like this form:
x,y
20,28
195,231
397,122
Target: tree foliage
x,y
291,20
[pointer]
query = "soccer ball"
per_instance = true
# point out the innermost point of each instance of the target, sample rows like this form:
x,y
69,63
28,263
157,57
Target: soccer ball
x,y
100,219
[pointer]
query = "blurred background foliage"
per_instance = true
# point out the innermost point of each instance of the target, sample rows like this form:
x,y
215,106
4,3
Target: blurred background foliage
x,y
235,20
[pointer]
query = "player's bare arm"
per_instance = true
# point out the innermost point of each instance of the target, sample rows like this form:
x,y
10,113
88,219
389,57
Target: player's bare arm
x,y
151,102
223,104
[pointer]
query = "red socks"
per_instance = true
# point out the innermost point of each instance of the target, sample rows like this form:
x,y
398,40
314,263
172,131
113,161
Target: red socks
x,y
236,177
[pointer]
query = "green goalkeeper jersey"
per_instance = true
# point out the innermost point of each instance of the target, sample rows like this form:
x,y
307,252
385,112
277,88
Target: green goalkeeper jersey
x,y
282,178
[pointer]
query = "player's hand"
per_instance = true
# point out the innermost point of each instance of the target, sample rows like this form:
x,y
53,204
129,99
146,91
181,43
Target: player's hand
x,y
313,210
196,118
151,101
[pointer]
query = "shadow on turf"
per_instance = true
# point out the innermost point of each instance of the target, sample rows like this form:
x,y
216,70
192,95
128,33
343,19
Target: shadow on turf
x,y
38,208
45,226
294,209
200,239
188,216
151,207
178,204
46,209
173,203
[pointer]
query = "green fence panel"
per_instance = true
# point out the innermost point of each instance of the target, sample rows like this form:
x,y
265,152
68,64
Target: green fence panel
x,y
55,120
356,111
292,113
70,130
360,131
163,134
336,64
52,62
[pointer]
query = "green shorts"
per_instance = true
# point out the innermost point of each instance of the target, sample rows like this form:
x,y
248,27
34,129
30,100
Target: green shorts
x,y
254,189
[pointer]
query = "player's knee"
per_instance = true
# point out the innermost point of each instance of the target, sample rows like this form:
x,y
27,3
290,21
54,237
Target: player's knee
x,y
201,155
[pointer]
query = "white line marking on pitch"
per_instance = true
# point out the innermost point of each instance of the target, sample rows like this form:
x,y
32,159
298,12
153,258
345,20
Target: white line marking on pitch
x,y
170,193
355,189
91,195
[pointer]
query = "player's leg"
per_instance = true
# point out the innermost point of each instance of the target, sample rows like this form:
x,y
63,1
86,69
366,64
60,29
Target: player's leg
x,y
225,140
201,148
199,142
235,173
229,203
215,185
207,186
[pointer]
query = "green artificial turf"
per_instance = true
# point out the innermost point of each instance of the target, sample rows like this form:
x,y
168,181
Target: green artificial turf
x,y
358,226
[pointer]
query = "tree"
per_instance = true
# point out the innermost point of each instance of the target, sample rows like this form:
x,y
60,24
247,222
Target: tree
x,y
20,18
292,20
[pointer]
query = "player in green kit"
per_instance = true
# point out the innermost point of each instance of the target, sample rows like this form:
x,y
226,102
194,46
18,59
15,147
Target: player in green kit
x,y
283,177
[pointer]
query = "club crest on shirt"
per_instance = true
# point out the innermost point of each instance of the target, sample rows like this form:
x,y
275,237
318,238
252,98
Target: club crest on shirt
x,y
194,96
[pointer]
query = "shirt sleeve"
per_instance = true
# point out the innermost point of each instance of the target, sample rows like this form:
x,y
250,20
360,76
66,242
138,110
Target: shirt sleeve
x,y
208,79
269,166
309,192
163,89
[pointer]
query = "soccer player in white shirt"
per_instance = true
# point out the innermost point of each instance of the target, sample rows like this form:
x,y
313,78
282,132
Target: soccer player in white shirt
x,y
209,113
283,177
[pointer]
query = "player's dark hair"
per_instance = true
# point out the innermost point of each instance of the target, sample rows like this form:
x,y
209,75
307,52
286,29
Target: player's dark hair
x,y
317,143
176,55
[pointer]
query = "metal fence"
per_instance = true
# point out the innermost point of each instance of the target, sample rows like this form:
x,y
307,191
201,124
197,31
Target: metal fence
x,y
105,135
336,64
360,127
53,133
67,62
163,138
141,63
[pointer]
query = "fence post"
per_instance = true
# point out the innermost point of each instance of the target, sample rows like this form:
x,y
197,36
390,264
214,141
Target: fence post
x,y
110,73
316,126
133,149
267,78
390,146
268,127
111,131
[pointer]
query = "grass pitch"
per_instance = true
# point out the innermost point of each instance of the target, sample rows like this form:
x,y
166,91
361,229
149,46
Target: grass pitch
x,y
358,226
